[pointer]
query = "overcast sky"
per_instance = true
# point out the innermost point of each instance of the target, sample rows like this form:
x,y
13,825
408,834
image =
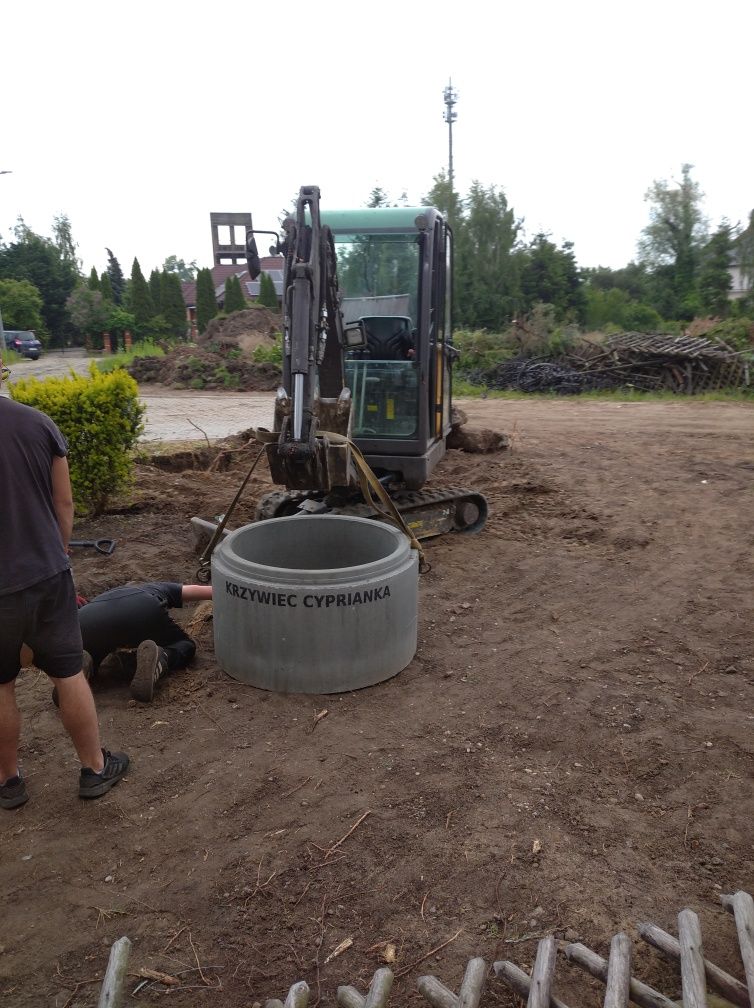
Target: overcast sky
x,y
138,119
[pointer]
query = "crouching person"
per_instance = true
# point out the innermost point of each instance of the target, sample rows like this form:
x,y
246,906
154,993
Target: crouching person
x,y
138,616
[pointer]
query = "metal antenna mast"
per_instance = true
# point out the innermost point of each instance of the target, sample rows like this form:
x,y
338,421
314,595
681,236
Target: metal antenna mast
x,y
450,96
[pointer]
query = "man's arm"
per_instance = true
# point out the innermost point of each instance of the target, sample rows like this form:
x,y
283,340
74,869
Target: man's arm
x,y
62,498
196,593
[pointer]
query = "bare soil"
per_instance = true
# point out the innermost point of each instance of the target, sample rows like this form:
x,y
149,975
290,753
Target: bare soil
x,y
570,752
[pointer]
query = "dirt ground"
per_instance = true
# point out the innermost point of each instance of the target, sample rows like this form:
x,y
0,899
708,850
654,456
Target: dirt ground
x,y
569,753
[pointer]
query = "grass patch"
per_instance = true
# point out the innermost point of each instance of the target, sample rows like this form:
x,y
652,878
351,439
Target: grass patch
x,y
145,348
466,390
11,357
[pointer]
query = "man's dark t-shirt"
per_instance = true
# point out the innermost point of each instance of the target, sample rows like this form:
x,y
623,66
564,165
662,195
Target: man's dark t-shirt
x,y
31,549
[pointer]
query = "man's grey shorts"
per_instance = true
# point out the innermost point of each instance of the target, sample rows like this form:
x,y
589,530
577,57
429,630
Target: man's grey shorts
x,y
44,616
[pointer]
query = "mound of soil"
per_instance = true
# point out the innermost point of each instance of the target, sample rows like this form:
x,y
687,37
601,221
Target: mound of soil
x,y
201,368
223,357
246,330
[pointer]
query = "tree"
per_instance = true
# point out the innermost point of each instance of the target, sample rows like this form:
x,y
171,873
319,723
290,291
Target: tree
x,y
155,290
106,288
21,306
117,280
234,299
63,238
715,279
676,232
268,297
173,307
140,301
378,198
206,303
550,275
744,251
488,288
93,281
89,312
39,260
443,197
186,272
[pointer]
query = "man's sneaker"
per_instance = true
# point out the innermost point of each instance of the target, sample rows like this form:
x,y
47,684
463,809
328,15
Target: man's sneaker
x,y
87,667
93,784
151,665
13,793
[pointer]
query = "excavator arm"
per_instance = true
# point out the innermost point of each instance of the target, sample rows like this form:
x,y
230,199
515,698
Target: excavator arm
x,y
313,400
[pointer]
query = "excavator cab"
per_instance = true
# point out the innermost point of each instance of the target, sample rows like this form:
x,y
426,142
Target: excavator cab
x,y
367,358
394,267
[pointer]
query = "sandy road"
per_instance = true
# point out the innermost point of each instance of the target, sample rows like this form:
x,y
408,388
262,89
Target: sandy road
x,y
175,415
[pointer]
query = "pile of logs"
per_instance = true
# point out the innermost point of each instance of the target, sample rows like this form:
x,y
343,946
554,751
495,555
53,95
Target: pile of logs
x,y
697,974
685,364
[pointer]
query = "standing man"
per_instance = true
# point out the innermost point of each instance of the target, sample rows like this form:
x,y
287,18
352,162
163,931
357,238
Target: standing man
x,y
37,597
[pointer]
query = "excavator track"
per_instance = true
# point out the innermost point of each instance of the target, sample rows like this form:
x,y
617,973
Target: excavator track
x,y
427,513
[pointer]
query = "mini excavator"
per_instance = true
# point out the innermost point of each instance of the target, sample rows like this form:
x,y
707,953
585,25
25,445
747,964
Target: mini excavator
x,y
367,362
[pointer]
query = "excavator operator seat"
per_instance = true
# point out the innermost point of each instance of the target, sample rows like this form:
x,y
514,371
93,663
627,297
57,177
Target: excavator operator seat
x,y
388,337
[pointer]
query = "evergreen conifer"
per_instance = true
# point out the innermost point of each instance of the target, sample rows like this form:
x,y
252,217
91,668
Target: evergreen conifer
x,y
139,297
155,290
206,304
117,280
172,304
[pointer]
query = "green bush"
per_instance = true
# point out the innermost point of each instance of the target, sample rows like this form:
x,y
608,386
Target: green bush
x,y
144,348
270,354
100,416
738,333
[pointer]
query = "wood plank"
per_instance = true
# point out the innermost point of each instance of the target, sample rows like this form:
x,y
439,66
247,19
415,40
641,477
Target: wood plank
x,y
438,995
379,989
741,905
471,988
618,972
298,995
693,980
730,988
519,982
349,997
111,992
542,974
641,994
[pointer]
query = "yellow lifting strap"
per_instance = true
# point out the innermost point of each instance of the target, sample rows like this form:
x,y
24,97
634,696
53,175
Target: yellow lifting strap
x,y
368,484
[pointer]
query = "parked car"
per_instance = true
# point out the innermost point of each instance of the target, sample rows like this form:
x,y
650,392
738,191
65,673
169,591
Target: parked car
x,y
24,342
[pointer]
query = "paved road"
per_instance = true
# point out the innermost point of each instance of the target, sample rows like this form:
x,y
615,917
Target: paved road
x,y
52,364
172,414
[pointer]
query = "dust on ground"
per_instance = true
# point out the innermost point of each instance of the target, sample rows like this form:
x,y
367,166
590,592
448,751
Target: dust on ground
x,y
570,752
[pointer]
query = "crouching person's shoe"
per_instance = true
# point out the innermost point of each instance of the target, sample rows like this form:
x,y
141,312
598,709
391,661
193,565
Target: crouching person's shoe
x,y
93,784
13,793
87,667
151,665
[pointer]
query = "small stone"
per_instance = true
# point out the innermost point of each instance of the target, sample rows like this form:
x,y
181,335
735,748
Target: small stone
x,y
131,703
571,935
108,878
639,797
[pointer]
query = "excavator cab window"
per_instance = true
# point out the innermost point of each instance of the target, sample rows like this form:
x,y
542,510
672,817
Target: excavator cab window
x,y
385,395
379,278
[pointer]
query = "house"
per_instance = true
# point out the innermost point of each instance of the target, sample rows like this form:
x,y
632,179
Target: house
x,y
741,279
229,256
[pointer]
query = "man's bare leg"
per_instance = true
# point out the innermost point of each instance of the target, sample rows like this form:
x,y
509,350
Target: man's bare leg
x,y
79,716
10,731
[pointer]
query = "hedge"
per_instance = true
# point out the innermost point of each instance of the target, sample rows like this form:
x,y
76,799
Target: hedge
x,y
100,416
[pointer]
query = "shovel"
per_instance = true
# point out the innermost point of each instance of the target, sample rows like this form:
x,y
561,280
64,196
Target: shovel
x,y
105,546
